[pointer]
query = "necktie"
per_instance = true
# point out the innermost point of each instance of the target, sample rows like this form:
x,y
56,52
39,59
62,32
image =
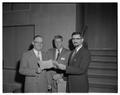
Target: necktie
x,y
58,54
73,54
39,55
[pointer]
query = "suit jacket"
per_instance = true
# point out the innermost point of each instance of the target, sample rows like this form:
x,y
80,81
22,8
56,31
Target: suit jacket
x,y
63,59
77,71
33,82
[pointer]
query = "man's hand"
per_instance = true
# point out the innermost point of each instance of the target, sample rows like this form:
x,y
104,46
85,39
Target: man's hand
x,y
59,66
62,67
38,71
55,63
46,64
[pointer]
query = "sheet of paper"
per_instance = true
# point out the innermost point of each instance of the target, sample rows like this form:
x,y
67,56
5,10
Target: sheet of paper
x,y
46,64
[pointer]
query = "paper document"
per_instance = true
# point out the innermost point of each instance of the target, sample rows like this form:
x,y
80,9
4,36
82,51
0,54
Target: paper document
x,y
46,64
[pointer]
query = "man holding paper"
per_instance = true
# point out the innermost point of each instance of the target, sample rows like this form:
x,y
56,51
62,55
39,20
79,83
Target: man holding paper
x,y
77,66
44,65
33,65
57,77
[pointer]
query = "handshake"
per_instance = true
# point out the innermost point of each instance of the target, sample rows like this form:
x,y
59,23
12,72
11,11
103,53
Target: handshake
x,y
51,64
59,65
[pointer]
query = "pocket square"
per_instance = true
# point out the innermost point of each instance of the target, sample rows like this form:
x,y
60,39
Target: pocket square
x,y
62,58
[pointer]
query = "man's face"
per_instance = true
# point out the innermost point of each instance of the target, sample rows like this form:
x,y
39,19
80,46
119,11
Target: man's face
x,y
58,43
38,43
77,40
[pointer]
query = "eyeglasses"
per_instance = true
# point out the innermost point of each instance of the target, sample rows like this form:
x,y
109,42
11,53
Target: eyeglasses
x,y
76,38
38,42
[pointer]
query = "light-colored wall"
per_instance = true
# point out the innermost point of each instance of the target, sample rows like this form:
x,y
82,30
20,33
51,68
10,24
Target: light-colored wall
x,y
49,20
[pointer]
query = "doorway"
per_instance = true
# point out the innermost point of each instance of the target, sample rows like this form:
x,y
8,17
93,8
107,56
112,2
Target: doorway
x,y
16,41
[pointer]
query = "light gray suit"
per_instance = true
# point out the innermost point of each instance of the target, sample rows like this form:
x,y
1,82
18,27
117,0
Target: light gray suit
x,y
63,59
33,82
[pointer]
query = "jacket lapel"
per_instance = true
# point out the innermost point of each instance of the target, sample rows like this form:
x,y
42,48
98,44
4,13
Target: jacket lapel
x,y
62,53
33,55
70,60
34,58
54,54
75,56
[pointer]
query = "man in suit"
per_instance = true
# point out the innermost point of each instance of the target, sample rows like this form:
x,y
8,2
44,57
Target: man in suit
x,y
77,66
56,77
35,77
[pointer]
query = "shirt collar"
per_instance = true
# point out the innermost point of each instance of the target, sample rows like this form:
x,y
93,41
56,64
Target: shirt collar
x,y
36,52
59,50
78,48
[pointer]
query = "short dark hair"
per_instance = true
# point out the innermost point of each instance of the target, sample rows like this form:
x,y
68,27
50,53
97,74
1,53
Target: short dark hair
x,y
77,33
37,36
58,37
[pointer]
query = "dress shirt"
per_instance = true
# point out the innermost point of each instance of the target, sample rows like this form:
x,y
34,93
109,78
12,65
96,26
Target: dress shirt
x,y
58,52
38,54
75,51
78,48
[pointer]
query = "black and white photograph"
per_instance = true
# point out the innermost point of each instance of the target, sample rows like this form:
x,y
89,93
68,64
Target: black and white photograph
x,y
59,47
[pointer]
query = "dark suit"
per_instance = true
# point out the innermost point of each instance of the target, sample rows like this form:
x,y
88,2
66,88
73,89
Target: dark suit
x,y
77,71
63,59
33,82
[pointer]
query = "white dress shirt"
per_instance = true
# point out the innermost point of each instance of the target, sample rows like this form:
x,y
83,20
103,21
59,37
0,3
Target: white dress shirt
x,y
75,51
38,54
58,51
78,48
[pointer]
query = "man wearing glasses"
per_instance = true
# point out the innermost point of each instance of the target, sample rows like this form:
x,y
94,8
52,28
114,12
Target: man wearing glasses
x,y
35,76
77,66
